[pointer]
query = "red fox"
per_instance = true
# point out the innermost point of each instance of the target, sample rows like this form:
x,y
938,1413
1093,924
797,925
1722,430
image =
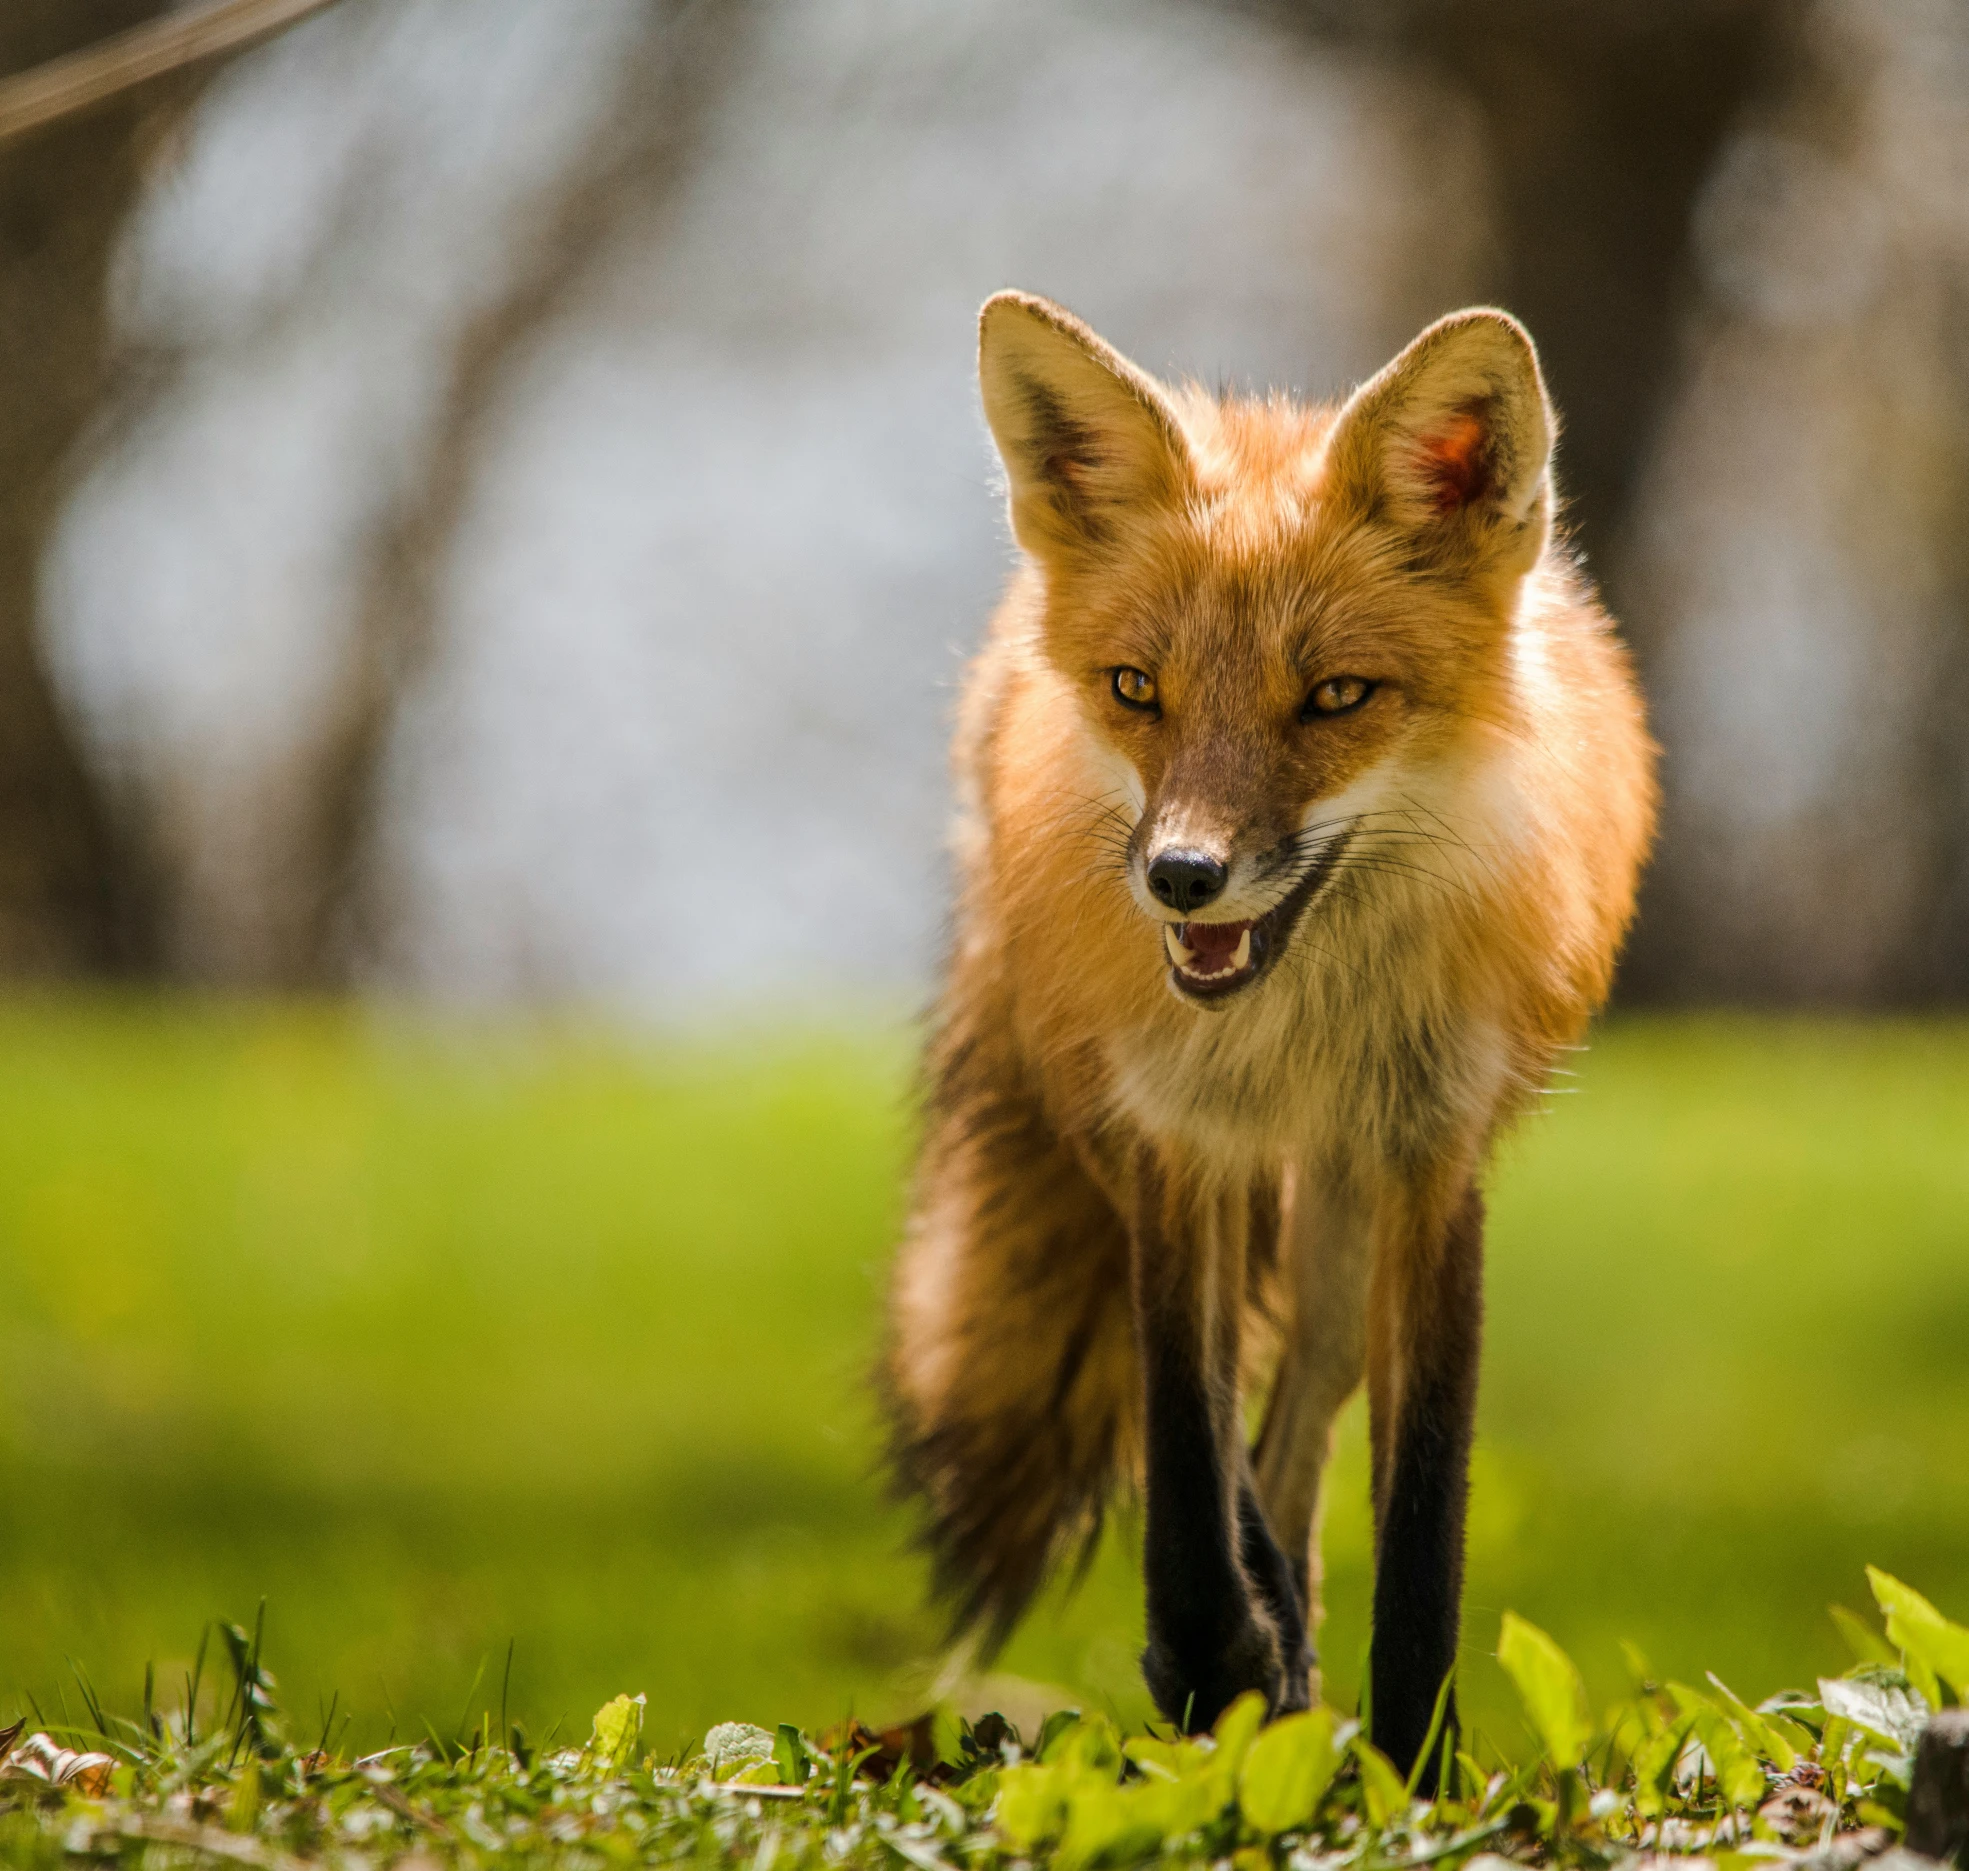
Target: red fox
x,y
1303,792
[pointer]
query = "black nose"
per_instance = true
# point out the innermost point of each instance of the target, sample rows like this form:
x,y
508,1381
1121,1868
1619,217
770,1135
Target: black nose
x,y
1186,880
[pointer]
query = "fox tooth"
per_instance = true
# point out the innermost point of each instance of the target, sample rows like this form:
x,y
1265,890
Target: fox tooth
x,y
1242,959
1179,953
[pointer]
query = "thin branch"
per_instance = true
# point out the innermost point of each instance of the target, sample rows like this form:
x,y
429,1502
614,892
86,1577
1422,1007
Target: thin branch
x,y
31,100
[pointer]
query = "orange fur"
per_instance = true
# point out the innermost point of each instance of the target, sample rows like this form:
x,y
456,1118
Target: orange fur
x,y
1483,816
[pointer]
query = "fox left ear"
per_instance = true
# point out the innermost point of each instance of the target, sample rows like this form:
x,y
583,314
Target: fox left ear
x,y
1451,444
1090,443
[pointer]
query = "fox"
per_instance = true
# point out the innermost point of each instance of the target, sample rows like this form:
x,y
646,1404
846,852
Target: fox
x,y
1302,791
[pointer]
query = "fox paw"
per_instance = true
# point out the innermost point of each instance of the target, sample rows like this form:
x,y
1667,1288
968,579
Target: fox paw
x,y
1192,1691
1297,1681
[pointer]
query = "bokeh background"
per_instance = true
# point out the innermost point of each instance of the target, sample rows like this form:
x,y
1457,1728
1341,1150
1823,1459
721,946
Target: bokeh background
x,y
492,510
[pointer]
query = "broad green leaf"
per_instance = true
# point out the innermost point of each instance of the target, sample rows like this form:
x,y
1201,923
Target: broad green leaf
x,y
1383,1790
1800,1738
1192,1781
1167,1760
1878,1703
1235,1730
754,1774
1180,1806
1032,1804
1109,1825
1922,1631
947,1733
1763,1734
1549,1686
732,1747
1287,1771
1052,1731
618,1727
1926,1683
1091,1747
1654,1768
1738,1773
791,1756
1072,1793
1895,1767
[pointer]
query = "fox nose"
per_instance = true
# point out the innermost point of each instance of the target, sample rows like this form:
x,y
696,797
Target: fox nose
x,y
1186,880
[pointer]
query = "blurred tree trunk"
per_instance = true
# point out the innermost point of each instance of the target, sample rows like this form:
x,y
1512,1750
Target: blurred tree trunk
x,y
1604,118
72,893
1802,566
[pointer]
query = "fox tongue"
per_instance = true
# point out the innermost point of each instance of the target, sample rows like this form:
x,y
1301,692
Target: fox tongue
x,y
1214,944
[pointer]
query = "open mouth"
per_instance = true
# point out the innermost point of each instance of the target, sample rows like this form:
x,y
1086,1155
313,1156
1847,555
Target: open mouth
x,y
1207,961
1213,958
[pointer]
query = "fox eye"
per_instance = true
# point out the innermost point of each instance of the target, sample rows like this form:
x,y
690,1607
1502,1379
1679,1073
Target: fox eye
x,y
1135,688
1338,695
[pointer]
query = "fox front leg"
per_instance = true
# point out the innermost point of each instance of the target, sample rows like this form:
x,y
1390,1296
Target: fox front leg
x,y
1282,1589
1209,1562
1327,1250
1425,1321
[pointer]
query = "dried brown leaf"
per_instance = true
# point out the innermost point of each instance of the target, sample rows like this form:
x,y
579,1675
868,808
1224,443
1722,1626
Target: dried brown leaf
x,y
912,1741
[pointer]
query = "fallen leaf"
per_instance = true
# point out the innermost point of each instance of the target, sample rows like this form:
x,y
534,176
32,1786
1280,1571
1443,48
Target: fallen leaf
x,y
911,1741
42,1758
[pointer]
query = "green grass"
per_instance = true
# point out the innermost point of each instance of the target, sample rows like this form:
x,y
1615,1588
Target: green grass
x,y
1824,1779
440,1337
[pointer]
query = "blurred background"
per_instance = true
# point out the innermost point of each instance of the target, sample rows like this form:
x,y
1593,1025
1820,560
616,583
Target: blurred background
x,y
482,479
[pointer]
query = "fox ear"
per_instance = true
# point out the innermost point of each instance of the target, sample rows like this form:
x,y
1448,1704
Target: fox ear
x,y
1451,444
1089,441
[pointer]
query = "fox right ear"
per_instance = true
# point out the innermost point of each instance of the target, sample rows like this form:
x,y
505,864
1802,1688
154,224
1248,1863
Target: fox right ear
x,y
1451,444
1089,441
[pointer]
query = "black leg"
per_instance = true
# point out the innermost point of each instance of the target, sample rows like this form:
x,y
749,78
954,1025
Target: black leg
x,y
1282,1588
1209,1639
1422,1437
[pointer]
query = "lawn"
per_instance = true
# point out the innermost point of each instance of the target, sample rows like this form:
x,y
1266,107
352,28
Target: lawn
x,y
444,1337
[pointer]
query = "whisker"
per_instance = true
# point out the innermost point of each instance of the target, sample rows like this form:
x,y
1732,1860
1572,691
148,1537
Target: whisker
x,y
1393,867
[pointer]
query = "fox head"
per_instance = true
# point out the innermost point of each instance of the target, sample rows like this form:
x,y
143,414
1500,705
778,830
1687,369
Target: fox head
x,y
1274,620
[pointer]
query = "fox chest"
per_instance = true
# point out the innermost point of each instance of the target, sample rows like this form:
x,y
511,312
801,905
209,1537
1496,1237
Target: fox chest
x,y
1300,1082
